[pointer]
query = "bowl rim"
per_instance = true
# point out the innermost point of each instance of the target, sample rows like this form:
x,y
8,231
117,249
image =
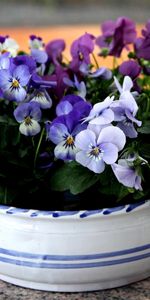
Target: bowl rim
x,y
74,214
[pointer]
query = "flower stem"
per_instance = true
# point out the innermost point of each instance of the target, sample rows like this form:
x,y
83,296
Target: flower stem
x,y
147,107
95,60
114,62
38,146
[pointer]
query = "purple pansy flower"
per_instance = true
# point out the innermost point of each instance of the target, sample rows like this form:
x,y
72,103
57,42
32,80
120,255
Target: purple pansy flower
x,y
25,60
142,44
62,132
101,113
116,35
95,150
54,50
80,52
13,82
58,77
126,174
73,103
29,115
132,69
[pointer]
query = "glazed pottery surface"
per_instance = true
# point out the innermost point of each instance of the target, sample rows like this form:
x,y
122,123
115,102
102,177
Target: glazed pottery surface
x,y
75,250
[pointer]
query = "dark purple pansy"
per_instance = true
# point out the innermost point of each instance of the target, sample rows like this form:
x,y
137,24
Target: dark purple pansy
x,y
142,44
58,77
80,51
130,68
54,50
116,35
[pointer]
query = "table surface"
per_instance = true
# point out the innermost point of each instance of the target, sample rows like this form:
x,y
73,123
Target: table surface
x,y
136,291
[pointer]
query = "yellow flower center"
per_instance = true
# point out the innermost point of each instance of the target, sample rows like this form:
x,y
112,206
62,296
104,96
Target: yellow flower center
x,y
15,83
69,140
81,56
95,151
28,121
4,51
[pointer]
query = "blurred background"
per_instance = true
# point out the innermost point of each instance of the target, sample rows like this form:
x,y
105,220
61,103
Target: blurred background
x,y
63,12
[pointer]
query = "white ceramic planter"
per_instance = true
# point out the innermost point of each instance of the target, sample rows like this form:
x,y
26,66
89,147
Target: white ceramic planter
x,y
75,251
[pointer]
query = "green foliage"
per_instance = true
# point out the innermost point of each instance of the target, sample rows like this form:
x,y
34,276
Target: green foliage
x,y
73,177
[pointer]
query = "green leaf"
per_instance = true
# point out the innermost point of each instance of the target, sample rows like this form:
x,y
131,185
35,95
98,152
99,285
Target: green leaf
x,y
73,177
145,129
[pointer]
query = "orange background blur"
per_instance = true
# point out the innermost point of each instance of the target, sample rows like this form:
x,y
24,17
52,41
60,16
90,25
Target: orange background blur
x,y
68,33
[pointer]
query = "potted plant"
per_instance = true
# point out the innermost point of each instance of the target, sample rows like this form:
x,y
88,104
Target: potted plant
x,y
75,161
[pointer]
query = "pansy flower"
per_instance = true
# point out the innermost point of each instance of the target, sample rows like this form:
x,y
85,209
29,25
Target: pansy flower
x,y
36,42
54,50
80,52
13,82
28,115
62,132
126,174
116,35
142,44
95,149
8,44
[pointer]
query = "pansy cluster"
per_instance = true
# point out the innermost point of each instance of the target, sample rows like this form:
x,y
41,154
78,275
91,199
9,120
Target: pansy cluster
x,y
76,126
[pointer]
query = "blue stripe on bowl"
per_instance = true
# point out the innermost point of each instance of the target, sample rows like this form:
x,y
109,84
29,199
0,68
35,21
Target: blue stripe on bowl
x,y
47,257
73,266
81,214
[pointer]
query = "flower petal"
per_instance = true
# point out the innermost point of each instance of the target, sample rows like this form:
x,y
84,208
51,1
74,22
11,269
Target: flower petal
x,y
63,152
63,108
95,165
106,117
127,101
126,175
15,94
42,100
40,56
5,75
128,129
31,129
127,84
57,133
22,73
114,135
85,139
110,153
